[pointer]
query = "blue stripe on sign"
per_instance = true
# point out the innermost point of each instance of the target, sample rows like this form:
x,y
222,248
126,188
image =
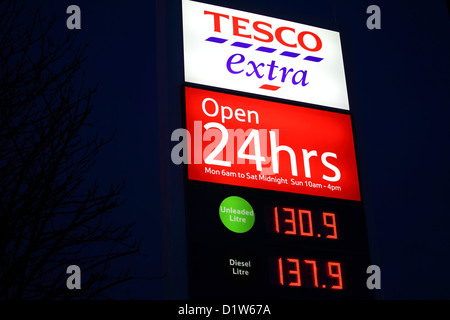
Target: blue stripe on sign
x,y
241,44
314,59
216,40
290,54
266,49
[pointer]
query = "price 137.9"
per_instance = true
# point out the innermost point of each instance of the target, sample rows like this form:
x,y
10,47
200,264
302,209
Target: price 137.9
x,y
309,273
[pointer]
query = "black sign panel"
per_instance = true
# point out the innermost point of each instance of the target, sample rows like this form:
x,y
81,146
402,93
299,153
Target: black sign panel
x,y
300,247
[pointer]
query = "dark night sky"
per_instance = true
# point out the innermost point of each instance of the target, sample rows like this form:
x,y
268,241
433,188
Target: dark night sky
x,y
401,76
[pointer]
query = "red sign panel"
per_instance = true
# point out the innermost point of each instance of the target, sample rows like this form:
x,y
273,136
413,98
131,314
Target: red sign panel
x,y
254,143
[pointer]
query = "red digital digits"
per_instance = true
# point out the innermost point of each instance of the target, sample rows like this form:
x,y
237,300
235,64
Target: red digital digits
x,y
327,216
334,271
290,221
305,222
295,272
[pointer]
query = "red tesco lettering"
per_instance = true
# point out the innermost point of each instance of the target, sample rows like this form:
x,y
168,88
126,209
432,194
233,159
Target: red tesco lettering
x,y
263,31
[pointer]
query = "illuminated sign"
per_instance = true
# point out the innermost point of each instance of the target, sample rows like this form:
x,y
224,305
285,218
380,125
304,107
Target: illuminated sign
x,y
268,145
253,53
299,247
272,193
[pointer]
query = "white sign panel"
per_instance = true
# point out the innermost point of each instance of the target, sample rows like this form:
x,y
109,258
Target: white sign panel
x,y
253,53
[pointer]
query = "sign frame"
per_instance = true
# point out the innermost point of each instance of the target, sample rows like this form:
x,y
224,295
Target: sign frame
x,y
175,198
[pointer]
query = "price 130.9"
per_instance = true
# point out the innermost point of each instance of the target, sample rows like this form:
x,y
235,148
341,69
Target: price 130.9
x,y
299,222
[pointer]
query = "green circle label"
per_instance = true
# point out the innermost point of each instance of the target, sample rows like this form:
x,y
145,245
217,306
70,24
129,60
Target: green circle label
x,y
237,214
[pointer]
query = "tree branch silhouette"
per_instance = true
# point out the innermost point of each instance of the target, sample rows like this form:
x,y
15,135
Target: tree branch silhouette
x,y
49,217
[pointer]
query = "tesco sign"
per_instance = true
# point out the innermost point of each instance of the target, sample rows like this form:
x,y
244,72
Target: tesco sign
x,y
253,53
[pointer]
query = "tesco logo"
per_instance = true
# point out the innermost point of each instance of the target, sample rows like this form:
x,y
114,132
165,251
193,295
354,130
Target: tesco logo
x,y
244,51
262,31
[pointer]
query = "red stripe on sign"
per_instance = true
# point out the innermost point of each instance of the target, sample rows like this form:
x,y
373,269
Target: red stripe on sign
x,y
269,87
